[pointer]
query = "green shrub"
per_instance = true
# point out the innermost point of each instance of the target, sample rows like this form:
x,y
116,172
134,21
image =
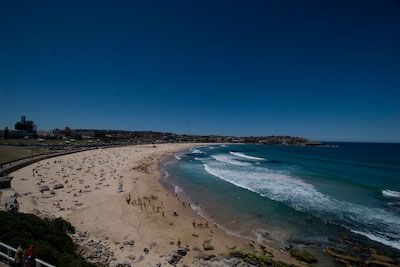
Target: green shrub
x,y
49,237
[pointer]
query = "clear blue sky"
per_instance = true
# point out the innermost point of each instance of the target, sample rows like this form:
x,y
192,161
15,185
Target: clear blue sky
x,y
326,70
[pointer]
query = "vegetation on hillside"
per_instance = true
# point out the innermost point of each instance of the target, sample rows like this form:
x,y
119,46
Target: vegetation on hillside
x,y
49,237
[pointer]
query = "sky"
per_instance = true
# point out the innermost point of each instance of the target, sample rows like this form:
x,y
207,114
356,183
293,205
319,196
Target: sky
x,y
325,70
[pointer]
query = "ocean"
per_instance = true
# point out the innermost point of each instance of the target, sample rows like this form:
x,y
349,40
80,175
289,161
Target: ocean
x,y
284,195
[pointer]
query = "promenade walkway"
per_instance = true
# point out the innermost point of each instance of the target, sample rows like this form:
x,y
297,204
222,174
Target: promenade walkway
x,y
9,167
6,168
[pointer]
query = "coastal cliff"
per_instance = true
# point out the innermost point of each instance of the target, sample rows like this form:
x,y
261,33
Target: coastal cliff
x,y
282,140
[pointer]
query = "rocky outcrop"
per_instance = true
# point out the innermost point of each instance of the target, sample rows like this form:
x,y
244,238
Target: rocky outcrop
x,y
343,256
220,262
94,251
302,255
237,261
207,245
175,256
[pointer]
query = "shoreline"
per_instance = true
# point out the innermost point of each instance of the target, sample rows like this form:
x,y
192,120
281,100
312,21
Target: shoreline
x,y
201,213
197,210
142,231
319,247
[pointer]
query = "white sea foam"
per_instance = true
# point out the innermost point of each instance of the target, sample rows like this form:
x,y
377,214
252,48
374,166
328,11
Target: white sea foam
x,y
390,193
393,244
242,155
178,190
303,196
177,157
196,151
229,160
274,185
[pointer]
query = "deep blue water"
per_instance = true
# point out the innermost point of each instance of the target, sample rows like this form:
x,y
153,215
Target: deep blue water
x,y
281,193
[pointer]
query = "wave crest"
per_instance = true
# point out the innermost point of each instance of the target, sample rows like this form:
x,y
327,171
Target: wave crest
x,y
382,225
196,151
229,160
242,155
390,193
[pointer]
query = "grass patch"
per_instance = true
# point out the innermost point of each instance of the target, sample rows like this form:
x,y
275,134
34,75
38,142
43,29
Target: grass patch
x,y
48,142
10,153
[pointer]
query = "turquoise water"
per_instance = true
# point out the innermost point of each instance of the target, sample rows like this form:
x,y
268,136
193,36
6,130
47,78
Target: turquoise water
x,y
281,194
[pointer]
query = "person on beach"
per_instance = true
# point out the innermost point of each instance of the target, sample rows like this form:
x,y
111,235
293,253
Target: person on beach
x,y
28,257
18,256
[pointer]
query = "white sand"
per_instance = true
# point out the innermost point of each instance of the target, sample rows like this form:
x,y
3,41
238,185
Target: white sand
x,y
90,201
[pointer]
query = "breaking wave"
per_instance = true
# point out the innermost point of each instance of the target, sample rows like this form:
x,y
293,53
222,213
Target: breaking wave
x,y
375,223
390,193
242,155
379,239
197,151
230,160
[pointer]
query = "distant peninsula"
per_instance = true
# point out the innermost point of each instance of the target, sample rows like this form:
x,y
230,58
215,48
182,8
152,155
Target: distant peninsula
x,y
25,133
94,136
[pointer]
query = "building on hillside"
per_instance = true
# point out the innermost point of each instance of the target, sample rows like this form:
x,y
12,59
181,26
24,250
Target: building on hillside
x,y
45,134
59,134
83,134
26,127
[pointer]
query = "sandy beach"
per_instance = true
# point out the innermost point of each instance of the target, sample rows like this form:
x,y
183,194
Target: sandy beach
x,y
120,210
